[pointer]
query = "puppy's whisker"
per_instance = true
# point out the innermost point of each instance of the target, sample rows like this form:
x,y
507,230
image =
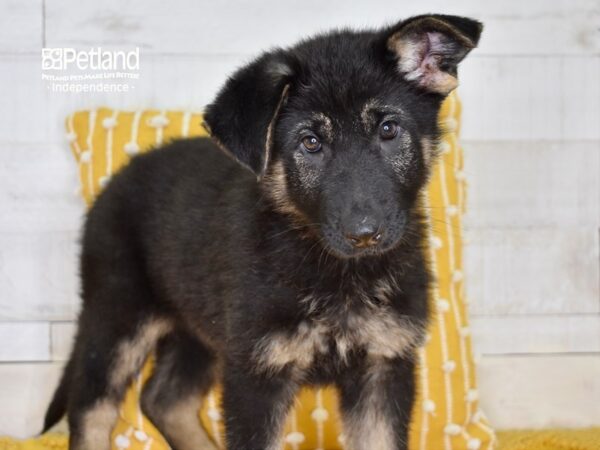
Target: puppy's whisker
x,y
317,242
292,228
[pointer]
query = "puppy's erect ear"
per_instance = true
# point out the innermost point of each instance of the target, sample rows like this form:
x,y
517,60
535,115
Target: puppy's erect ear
x,y
243,115
428,49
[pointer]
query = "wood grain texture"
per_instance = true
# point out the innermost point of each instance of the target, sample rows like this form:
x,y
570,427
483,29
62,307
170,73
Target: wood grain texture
x,y
541,391
532,184
533,270
37,114
247,27
21,26
62,335
39,189
497,335
24,341
530,97
38,275
25,390
522,98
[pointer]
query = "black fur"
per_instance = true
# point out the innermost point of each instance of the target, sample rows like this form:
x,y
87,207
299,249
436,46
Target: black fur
x,y
326,248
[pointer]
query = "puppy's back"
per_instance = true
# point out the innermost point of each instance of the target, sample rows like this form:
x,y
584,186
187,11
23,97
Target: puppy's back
x,y
168,205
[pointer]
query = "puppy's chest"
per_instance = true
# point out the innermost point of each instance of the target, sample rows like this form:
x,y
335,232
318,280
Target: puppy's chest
x,y
374,330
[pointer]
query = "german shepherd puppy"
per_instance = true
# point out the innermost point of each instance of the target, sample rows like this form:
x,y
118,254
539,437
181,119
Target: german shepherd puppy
x,y
287,250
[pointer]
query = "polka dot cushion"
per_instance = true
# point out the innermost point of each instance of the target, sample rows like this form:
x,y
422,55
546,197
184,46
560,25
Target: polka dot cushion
x,y
446,416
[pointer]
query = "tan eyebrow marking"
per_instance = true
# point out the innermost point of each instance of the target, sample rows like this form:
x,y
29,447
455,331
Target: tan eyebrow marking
x,y
326,125
367,117
318,121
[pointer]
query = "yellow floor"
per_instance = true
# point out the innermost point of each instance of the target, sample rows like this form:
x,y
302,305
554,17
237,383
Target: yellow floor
x,y
587,439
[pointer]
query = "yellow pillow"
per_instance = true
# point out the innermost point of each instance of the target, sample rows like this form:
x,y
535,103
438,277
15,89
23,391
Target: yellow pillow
x,y
446,415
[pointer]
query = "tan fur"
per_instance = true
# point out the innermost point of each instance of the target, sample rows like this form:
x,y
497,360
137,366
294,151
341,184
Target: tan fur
x,y
409,64
367,427
404,34
269,137
429,151
380,332
98,421
367,113
308,173
402,161
366,116
444,83
276,441
275,186
385,288
132,353
385,335
409,51
326,125
182,425
96,427
277,350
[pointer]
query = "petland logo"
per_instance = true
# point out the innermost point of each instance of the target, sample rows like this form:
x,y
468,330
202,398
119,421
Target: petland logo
x,y
92,59
90,71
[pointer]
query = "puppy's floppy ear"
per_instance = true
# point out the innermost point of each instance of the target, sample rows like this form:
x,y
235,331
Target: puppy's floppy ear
x,y
243,115
428,49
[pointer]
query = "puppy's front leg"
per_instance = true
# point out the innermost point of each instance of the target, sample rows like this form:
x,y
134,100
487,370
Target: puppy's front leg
x,y
376,403
255,408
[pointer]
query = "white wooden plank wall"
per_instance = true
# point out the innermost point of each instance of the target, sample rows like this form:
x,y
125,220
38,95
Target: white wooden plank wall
x,y
531,132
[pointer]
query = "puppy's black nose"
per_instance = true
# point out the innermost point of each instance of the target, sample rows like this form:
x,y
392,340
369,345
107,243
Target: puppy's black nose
x,y
365,235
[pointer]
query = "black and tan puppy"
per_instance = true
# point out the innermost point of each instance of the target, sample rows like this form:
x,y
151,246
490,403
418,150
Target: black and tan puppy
x,y
303,265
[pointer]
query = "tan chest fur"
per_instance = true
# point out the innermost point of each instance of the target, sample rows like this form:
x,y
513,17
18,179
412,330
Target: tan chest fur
x,y
379,332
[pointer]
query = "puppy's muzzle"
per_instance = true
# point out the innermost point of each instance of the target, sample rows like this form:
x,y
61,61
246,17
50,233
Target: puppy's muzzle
x,y
364,234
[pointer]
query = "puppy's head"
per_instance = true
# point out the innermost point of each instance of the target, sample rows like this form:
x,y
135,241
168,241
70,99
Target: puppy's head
x,y
341,129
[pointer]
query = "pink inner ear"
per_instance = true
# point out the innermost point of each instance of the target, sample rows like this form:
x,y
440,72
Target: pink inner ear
x,y
430,60
420,60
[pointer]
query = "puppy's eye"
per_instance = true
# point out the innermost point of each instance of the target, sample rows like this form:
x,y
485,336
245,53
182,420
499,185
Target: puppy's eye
x,y
388,130
311,144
